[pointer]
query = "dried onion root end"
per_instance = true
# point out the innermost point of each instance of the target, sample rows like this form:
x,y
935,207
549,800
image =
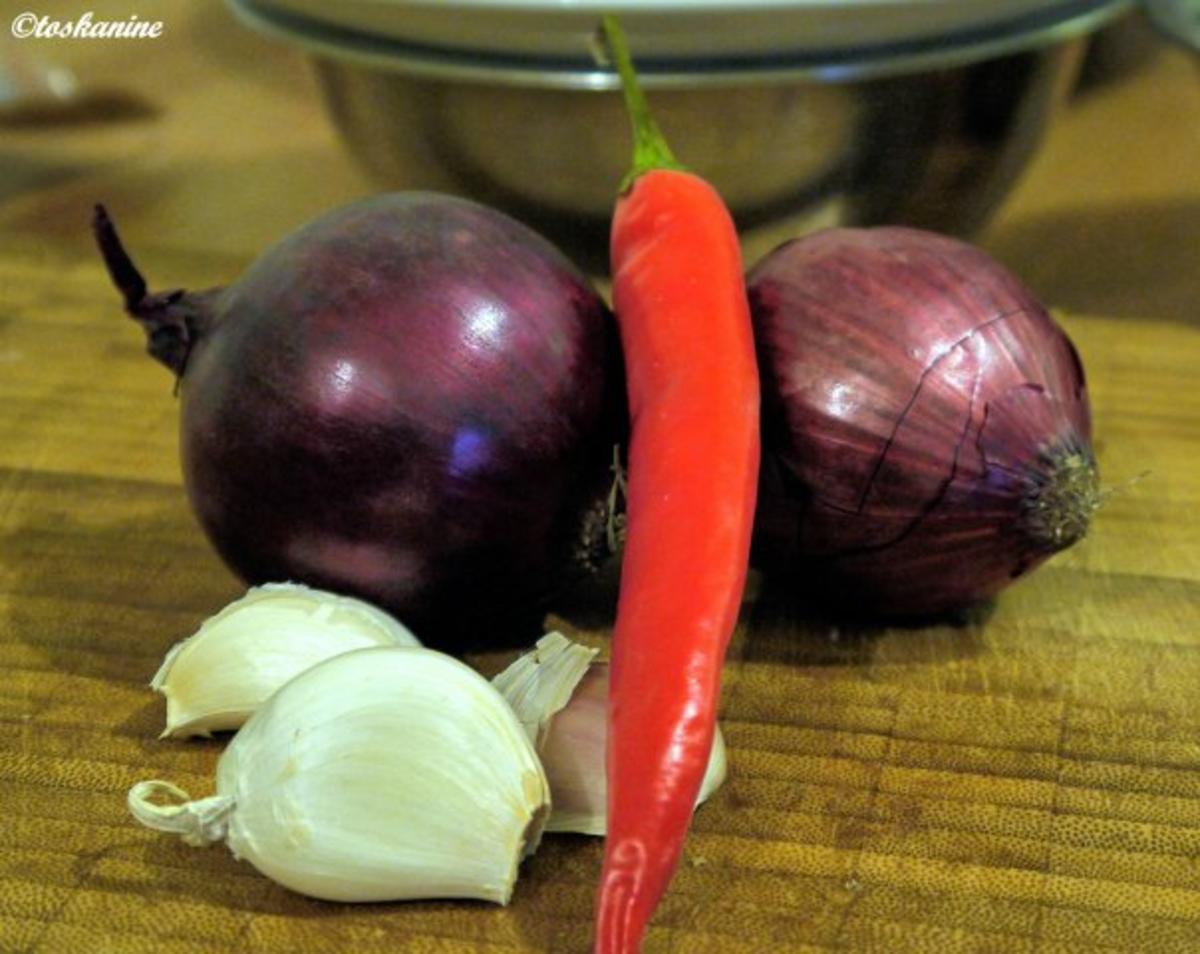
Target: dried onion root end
x,y
1058,510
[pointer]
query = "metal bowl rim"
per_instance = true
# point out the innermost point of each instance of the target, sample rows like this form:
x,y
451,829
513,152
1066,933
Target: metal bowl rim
x,y
837,66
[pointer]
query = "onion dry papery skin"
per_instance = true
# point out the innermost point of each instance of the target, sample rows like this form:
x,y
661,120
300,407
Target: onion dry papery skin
x,y
409,400
927,432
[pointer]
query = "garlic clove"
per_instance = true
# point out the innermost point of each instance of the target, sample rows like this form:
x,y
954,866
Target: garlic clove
x,y
217,677
573,755
379,774
541,682
560,695
574,758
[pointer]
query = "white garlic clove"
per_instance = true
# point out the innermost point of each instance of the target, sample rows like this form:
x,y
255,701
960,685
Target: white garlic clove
x,y
560,694
217,677
541,682
379,774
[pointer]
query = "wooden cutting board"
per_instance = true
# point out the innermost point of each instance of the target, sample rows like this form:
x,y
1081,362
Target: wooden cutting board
x,y
1027,783
1030,783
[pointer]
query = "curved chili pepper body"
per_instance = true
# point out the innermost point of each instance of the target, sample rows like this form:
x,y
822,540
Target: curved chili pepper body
x,y
680,300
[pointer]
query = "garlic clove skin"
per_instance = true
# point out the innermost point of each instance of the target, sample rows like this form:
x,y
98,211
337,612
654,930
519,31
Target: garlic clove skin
x,y
560,695
215,679
541,682
379,774
573,754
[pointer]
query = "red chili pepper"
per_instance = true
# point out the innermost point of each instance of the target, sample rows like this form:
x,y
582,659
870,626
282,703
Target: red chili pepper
x,y
680,300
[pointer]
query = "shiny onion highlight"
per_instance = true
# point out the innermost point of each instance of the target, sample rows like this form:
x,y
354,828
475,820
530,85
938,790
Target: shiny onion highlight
x,y
927,434
408,400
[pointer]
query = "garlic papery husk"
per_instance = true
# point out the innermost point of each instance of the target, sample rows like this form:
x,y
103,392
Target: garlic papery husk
x,y
541,682
380,774
560,695
216,678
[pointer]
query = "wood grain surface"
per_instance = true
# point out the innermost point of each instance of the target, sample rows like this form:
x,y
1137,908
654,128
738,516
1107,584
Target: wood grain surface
x,y
1029,782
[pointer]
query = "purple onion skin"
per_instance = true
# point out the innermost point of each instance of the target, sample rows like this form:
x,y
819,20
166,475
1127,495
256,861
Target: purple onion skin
x,y
926,423
409,400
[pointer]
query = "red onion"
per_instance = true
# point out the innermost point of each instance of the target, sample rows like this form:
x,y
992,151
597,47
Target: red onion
x,y
927,430
408,400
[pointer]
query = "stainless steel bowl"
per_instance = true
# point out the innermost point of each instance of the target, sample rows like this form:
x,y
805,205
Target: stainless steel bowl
x,y
930,131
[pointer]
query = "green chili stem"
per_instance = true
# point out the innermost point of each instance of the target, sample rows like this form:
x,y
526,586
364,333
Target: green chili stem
x,y
650,149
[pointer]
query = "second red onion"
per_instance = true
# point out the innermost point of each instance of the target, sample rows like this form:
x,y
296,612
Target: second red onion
x,y
927,429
